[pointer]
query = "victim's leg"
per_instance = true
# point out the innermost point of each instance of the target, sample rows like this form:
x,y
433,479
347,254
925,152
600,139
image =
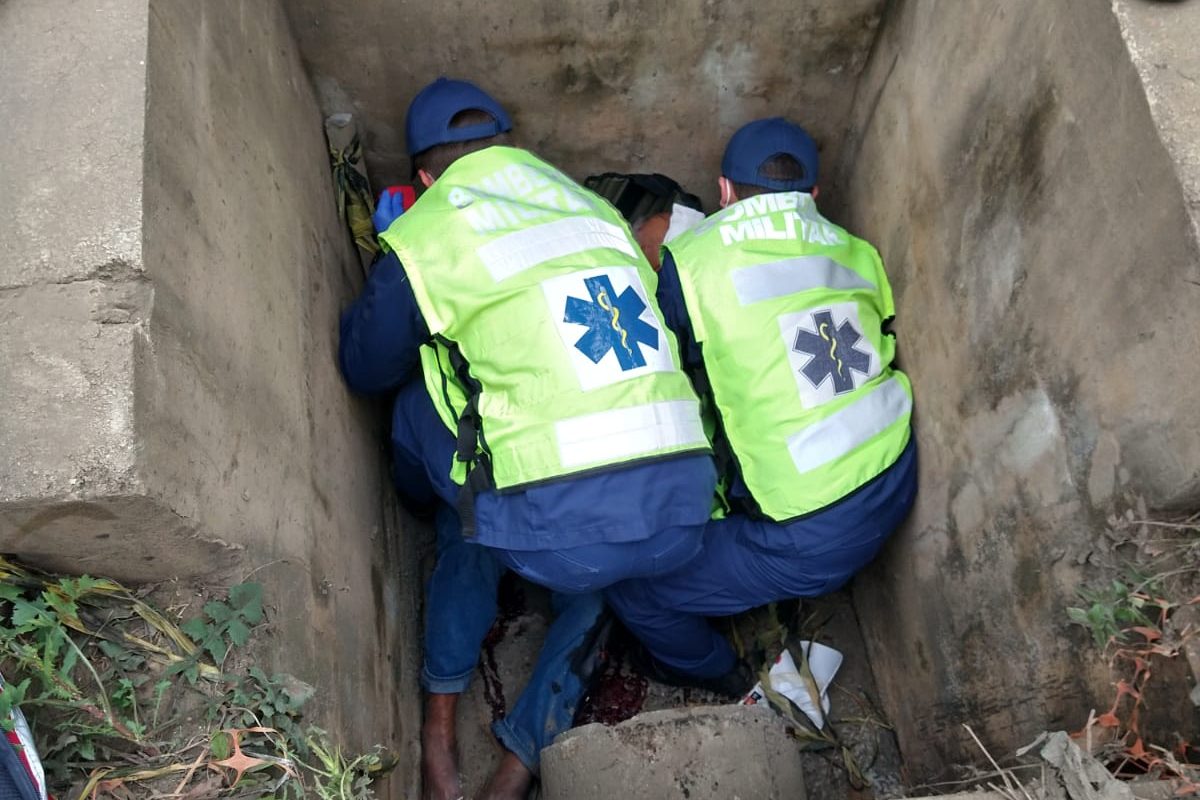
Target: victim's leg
x,y
460,609
439,746
547,705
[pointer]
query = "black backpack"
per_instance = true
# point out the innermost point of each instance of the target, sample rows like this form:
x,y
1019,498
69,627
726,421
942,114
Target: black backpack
x,y
638,196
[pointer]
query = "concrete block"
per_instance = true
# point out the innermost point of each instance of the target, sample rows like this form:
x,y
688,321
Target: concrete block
x,y
700,753
122,536
73,100
1161,38
68,365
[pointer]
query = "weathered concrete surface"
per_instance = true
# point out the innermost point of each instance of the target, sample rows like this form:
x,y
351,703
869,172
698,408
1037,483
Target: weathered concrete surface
x,y
245,424
72,98
1006,164
701,753
1162,37
621,85
173,405
70,256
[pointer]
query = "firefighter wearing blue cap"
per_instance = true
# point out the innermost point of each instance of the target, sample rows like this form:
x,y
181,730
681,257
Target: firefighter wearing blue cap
x,y
781,319
549,423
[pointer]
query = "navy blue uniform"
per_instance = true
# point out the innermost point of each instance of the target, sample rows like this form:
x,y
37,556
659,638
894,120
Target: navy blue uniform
x,y
574,535
748,562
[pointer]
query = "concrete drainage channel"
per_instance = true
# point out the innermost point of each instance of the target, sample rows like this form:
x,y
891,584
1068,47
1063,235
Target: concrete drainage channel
x,y
172,269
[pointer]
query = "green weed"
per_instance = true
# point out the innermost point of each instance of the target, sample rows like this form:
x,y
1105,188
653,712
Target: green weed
x,y
1115,609
95,669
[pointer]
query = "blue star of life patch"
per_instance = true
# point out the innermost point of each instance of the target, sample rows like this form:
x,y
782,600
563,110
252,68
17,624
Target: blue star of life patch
x,y
614,323
833,352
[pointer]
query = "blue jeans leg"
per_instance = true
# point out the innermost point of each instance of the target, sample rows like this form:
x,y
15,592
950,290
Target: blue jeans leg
x,y
563,671
460,607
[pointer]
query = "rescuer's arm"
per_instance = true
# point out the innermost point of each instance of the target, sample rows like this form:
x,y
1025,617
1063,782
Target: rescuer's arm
x,y
382,331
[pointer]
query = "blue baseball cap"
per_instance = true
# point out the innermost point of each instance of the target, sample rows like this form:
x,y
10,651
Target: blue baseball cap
x,y
429,115
758,141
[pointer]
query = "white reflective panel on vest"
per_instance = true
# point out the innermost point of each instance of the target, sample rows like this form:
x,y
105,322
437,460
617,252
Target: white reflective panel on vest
x,y
847,428
629,432
516,252
606,326
828,352
792,275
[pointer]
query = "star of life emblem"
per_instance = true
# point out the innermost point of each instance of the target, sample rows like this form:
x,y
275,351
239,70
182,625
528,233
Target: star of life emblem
x,y
828,353
607,326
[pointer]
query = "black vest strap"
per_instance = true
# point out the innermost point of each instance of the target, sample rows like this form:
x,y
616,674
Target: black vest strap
x,y
471,446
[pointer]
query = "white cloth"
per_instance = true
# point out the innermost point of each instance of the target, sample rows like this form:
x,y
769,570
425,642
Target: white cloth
x,y
682,220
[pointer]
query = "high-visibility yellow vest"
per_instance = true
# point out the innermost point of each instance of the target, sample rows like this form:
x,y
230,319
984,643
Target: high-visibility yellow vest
x,y
550,355
788,311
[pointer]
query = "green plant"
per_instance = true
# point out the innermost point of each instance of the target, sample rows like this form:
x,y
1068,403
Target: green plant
x,y
91,665
1114,610
341,777
276,701
1137,620
224,624
63,679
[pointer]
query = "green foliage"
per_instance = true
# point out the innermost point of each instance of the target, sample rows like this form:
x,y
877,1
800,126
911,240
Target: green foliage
x,y
223,625
273,702
342,778
1114,609
11,697
56,675
92,667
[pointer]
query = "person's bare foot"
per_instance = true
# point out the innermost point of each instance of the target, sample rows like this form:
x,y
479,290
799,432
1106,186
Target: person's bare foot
x,y
439,749
510,781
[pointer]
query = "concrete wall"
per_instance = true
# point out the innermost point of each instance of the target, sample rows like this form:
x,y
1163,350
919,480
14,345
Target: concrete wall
x,y
244,418
622,85
1005,162
170,348
72,290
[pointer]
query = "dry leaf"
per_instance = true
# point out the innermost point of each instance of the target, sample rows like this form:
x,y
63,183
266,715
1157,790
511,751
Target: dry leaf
x,y
239,762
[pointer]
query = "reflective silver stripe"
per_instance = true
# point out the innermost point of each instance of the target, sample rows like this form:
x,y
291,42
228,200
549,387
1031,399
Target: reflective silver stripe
x,y
791,275
516,252
849,427
629,432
